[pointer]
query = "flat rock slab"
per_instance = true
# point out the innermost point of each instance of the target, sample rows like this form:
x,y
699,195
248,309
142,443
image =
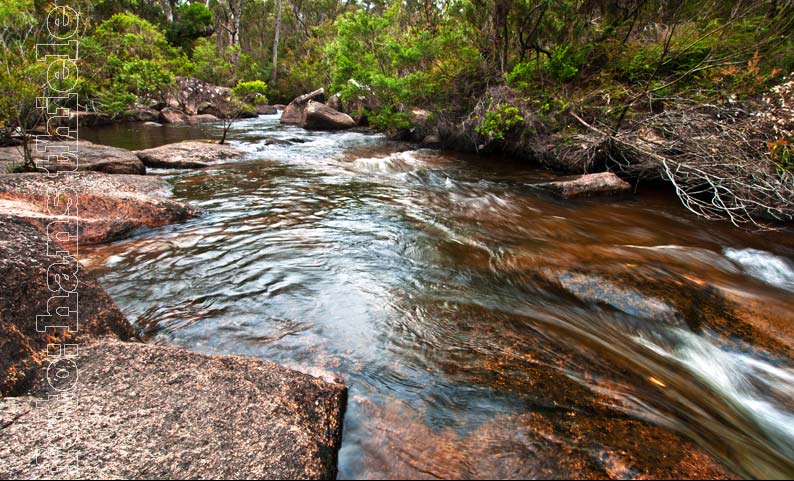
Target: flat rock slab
x,y
588,185
109,206
156,412
24,267
188,155
91,158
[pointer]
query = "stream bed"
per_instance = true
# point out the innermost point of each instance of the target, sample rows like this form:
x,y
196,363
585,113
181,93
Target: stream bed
x,y
484,329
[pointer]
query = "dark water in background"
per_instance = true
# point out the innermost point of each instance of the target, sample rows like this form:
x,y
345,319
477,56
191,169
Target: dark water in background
x,y
467,312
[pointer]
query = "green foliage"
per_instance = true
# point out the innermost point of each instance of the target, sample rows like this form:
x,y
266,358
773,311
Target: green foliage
x,y
150,11
128,58
374,58
522,75
499,121
212,64
193,21
144,78
114,101
782,153
386,119
564,63
130,37
224,66
254,92
16,14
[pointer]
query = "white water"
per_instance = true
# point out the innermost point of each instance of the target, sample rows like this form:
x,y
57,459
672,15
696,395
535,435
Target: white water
x,y
746,382
767,267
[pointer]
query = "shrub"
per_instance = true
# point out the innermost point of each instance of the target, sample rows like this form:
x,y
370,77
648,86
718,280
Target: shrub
x,y
127,59
254,92
193,21
499,121
521,75
563,64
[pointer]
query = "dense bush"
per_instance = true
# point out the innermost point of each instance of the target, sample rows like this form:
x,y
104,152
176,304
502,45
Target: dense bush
x,y
193,21
127,59
253,92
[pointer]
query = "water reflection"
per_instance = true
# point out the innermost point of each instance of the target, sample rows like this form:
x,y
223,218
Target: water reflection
x,y
484,329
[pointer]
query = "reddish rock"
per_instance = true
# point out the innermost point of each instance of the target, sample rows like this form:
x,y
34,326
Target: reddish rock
x,y
159,412
588,185
201,119
143,114
266,109
90,158
335,102
24,275
170,115
188,155
319,116
294,113
196,97
109,206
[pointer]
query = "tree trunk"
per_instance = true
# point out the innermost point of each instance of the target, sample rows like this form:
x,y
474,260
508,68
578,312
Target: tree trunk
x,y
168,10
501,12
275,41
237,16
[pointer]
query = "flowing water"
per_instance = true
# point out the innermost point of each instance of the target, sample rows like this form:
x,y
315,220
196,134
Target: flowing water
x,y
484,328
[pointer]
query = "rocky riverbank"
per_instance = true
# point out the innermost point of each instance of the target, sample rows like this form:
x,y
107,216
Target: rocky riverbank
x,y
141,410
108,206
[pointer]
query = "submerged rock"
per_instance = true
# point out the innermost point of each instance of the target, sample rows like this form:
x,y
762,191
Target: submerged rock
x,y
25,271
552,443
294,113
90,158
588,185
319,116
188,155
109,206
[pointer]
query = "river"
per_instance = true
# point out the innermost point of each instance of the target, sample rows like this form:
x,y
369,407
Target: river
x,y
484,329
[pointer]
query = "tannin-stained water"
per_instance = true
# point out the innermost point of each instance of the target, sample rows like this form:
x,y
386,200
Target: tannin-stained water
x,y
484,328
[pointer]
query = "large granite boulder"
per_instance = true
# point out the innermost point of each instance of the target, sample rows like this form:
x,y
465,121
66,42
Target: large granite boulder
x,y
109,206
588,185
170,115
141,411
294,113
25,271
319,116
191,94
91,158
158,412
188,155
82,118
143,114
196,97
265,109
202,119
